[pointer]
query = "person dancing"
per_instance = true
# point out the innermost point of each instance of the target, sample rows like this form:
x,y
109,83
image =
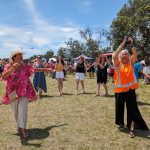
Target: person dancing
x,y
39,80
19,90
102,66
125,86
80,69
59,68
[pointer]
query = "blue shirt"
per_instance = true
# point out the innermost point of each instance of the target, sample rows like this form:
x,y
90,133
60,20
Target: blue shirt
x,y
137,67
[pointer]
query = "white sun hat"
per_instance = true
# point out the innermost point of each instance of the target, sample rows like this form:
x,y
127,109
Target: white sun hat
x,y
13,53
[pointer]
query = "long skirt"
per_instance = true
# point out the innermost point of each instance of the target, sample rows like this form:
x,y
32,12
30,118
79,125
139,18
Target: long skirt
x,y
133,113
39,81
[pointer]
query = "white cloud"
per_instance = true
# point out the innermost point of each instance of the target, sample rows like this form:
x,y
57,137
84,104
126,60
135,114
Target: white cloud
x,y
10,44
46,33
32,52
107,25
40,41
39,35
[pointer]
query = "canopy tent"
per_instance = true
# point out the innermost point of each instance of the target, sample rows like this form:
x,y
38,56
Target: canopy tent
x,y
108,54
52,59
44,59
142,62
84,56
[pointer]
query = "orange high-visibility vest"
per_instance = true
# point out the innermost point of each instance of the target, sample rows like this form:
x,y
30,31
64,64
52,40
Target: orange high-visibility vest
x,y
125,78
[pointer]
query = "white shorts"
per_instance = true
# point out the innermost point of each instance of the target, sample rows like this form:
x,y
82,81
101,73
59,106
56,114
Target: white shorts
x,y
79,76
60,75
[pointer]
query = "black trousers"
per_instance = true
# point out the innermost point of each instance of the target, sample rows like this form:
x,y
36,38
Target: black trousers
x,y
133,113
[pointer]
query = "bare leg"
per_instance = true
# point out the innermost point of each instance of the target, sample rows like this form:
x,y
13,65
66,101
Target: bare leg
x,y
77,86
59,86
98,89
132,125
106,91
132,132
82,84
90,75
39,92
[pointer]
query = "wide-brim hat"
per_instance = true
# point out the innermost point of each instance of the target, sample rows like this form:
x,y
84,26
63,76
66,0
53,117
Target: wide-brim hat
x,y
13,53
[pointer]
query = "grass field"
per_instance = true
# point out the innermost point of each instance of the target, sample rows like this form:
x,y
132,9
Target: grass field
x,y
74,122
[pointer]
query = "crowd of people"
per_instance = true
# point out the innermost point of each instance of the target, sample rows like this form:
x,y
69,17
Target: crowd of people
x,y
123,70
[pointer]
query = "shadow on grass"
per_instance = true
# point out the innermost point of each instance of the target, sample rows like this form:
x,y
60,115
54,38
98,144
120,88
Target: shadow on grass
x,y
38,134
47,96
142,103
138,133
110,96
86,93
67,94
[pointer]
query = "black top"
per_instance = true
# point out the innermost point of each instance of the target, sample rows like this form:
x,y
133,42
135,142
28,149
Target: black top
x,y
1,68
102,74
80,68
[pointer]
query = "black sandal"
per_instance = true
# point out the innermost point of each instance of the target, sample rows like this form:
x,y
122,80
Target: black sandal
x,y
132,133
121,127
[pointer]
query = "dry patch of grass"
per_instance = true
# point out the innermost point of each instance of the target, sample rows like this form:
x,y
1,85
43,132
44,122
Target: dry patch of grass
x,y
74,122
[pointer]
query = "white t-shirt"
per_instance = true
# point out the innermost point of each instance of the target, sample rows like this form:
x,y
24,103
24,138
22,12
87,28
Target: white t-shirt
x,y
146,70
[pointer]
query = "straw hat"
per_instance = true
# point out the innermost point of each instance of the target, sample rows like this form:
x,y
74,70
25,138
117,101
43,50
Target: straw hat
x,y
13,53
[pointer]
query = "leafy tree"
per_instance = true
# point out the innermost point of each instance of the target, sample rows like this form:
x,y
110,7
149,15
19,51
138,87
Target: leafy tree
x,y
133,20
32,57
92,45
49,54
105,49
62,52
74,48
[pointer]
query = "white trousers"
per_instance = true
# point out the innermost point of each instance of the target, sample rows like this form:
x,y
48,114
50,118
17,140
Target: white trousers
x,y
20,110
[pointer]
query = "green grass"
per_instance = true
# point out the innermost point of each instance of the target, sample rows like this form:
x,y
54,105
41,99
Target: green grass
x,y
74,122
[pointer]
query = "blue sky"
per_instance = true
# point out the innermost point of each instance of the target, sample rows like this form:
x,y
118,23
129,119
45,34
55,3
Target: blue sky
x,y
39,25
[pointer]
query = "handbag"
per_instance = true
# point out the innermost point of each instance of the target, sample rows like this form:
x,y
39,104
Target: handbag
x,y
12,96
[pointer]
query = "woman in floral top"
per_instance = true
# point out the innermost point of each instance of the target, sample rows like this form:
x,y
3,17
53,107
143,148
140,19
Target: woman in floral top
x,y
17,74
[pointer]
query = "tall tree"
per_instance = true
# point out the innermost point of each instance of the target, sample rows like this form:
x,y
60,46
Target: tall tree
x,y
62,52
133,20
49,54
92,45
75,48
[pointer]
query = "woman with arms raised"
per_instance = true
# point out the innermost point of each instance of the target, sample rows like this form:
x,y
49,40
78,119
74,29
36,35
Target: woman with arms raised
x,y
125,86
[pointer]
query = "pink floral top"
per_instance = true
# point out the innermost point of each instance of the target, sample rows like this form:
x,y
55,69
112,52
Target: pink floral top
x,y
20,82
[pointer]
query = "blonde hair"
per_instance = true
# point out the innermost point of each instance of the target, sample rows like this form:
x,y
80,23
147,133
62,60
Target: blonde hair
x,y
123,51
